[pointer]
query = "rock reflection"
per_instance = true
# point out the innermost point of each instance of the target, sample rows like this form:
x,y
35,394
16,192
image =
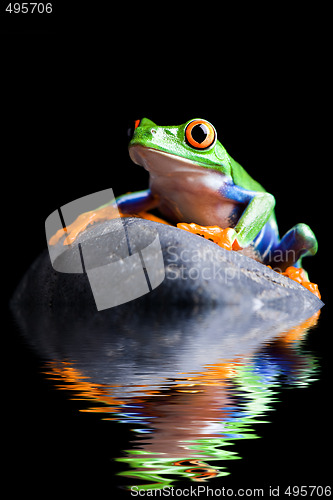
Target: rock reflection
x,y
189,383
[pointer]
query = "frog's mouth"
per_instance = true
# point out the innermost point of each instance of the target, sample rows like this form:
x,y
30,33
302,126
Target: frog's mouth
x,y
161,163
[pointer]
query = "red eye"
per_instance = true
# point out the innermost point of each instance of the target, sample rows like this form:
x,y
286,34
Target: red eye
x,y
136,124
200,134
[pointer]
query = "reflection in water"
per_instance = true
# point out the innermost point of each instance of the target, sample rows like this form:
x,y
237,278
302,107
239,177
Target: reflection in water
x,y
184,422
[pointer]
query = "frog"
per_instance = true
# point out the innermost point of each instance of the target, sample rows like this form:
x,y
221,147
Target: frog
x,y
195,185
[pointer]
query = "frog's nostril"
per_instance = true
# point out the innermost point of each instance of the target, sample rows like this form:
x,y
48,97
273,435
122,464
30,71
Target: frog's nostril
x,y
153,131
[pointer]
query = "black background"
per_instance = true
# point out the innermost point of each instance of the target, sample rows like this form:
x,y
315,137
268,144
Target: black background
x,y
70,90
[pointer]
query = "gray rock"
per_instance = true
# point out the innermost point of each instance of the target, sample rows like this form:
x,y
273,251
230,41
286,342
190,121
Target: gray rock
x,y
196,271
212,304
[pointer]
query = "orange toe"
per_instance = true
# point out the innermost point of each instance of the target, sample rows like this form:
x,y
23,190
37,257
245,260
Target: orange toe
x,y
298,274
225,238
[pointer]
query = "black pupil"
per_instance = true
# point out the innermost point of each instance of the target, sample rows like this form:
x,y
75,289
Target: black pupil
x,y
199,132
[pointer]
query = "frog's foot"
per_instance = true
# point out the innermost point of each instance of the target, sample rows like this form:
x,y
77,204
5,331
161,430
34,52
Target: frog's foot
x,y
80,224
101,214
297,243
298,274
225,238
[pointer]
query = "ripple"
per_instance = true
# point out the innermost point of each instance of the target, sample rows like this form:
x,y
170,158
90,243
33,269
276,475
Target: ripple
x,y
185,425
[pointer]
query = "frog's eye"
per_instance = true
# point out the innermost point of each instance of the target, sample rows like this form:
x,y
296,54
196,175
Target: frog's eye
x,y
200,134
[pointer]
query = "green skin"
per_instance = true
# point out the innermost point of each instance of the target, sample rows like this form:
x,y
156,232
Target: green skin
x,y
171,140
228,183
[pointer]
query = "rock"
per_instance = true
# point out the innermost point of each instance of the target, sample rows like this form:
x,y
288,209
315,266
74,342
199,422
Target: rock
x,y
211,304
194,271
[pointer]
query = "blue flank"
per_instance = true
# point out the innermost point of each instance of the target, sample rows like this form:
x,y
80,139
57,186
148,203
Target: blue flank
x,y
136,202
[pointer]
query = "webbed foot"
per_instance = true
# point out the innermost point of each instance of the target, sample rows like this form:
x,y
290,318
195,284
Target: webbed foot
x,y
298,274
100,214
82,221
225,238
297,243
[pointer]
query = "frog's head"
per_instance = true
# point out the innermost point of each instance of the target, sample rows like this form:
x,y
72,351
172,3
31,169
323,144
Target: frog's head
x,y
192,144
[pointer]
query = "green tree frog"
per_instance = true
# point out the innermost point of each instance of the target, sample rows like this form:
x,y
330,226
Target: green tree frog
x,y
196,185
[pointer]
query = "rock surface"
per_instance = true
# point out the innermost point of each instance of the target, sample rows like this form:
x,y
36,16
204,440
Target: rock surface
x,y
196,271
191,318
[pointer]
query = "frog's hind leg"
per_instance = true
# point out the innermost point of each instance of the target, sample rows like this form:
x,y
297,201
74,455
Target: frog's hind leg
x,y
297,243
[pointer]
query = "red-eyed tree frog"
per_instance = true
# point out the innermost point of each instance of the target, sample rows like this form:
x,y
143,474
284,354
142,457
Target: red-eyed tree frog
x,y
196,185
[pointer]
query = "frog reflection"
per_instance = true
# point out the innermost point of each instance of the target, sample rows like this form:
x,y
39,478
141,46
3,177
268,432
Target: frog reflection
x,y
189,422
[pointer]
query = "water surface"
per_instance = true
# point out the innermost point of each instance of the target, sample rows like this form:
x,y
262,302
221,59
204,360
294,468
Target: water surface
x,y
189,384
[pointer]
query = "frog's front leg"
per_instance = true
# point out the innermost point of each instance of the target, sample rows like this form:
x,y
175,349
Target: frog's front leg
x,y
130,203
259,208
254,217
